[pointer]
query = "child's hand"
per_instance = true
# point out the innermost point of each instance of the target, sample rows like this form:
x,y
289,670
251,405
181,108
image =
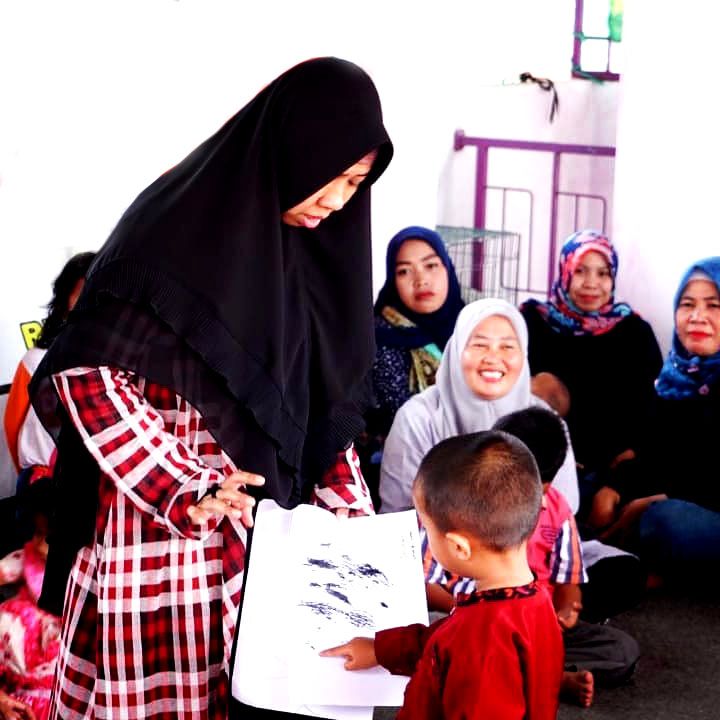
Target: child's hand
x,y
569,615
360,653
11,709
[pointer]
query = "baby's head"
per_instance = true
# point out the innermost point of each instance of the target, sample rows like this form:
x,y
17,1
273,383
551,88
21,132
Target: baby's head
x,y
543,433
552,390
482,488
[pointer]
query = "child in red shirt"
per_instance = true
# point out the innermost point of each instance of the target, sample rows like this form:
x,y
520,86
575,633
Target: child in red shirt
x,y
499,654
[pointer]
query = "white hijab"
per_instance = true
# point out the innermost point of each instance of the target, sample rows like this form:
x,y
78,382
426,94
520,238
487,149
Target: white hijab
x,y
450,408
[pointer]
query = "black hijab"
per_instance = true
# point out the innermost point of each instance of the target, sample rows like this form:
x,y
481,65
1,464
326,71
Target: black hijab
x,y
264,328
435,327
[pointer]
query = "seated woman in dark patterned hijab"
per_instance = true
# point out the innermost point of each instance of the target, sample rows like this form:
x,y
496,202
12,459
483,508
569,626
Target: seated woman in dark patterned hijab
x,y
415,314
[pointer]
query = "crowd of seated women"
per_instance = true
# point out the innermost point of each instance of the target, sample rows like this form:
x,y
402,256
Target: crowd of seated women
x,y
630,415
638,471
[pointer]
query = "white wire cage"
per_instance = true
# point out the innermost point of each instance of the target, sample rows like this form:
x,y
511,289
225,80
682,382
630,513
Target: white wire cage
x,y
486,261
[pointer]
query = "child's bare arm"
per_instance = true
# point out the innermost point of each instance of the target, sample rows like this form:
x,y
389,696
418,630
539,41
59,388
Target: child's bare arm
x,y
567,600
438,598
359,653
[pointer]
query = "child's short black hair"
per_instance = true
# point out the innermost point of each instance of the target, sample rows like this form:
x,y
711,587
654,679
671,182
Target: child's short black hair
x,y
485,483
543,433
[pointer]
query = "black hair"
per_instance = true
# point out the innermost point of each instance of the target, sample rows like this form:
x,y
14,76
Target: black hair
x,y
485,483
32,502
75,269
544,434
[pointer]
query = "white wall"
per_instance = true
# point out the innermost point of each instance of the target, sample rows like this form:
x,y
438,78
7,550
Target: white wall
x,y
104,95
668,151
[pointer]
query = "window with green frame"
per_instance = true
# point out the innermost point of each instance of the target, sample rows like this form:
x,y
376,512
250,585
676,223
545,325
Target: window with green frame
x,y
598,31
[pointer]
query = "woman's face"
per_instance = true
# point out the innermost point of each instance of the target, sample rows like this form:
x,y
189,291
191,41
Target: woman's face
x,y
421,278
492,359
697,318
330,198
591,284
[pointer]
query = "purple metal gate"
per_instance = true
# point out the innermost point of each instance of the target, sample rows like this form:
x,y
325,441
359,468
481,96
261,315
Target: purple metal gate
x,y
557,150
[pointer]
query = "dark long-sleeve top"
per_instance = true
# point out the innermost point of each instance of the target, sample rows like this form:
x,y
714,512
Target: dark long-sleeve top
x,y
610,378
391,383
678,455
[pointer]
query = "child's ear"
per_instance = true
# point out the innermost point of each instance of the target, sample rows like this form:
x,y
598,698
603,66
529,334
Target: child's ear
x,y
459,545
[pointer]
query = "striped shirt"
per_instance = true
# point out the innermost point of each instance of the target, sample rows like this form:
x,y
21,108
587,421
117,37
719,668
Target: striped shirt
x,y
554,550
151,605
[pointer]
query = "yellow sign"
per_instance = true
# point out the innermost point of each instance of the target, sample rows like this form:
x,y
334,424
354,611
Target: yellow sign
x,y
30,332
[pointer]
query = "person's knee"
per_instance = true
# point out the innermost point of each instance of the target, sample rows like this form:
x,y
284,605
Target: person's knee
x,y
623,658
661,519
679,535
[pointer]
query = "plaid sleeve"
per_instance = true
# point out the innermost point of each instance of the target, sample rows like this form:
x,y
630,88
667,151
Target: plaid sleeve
x,y
343,485
566,562
126,436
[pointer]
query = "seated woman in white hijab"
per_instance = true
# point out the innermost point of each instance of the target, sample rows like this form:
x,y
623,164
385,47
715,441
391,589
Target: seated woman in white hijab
x,y
482,377
480,380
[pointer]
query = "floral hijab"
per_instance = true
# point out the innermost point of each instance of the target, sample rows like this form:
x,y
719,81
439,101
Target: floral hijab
x,y
560,312
684,375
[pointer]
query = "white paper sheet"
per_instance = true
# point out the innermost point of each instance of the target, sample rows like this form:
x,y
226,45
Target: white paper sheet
x,y
315,581
594,551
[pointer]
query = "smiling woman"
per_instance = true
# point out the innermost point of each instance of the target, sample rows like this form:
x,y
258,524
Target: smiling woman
x,y
483,375
697,318
492,359
604,353
676,526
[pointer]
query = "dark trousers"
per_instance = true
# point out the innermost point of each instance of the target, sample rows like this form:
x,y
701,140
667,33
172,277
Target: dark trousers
x,y
608,652
615,584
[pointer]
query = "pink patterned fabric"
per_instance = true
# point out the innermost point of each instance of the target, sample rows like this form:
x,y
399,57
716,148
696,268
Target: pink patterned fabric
x,y
29,637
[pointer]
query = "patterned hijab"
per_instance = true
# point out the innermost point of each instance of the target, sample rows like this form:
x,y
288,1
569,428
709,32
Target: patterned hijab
x,y
421,328
684,375
560,312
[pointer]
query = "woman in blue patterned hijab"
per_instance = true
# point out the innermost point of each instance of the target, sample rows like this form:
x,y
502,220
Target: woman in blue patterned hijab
x,y
677,522
693,364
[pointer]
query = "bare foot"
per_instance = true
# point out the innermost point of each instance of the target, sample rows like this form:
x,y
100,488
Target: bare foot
x,y
579,686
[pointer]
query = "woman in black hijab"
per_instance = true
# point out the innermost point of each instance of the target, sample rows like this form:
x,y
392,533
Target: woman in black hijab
x,y
226,325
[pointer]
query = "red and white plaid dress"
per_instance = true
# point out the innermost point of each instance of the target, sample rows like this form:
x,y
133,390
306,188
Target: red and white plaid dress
x,y
151,606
